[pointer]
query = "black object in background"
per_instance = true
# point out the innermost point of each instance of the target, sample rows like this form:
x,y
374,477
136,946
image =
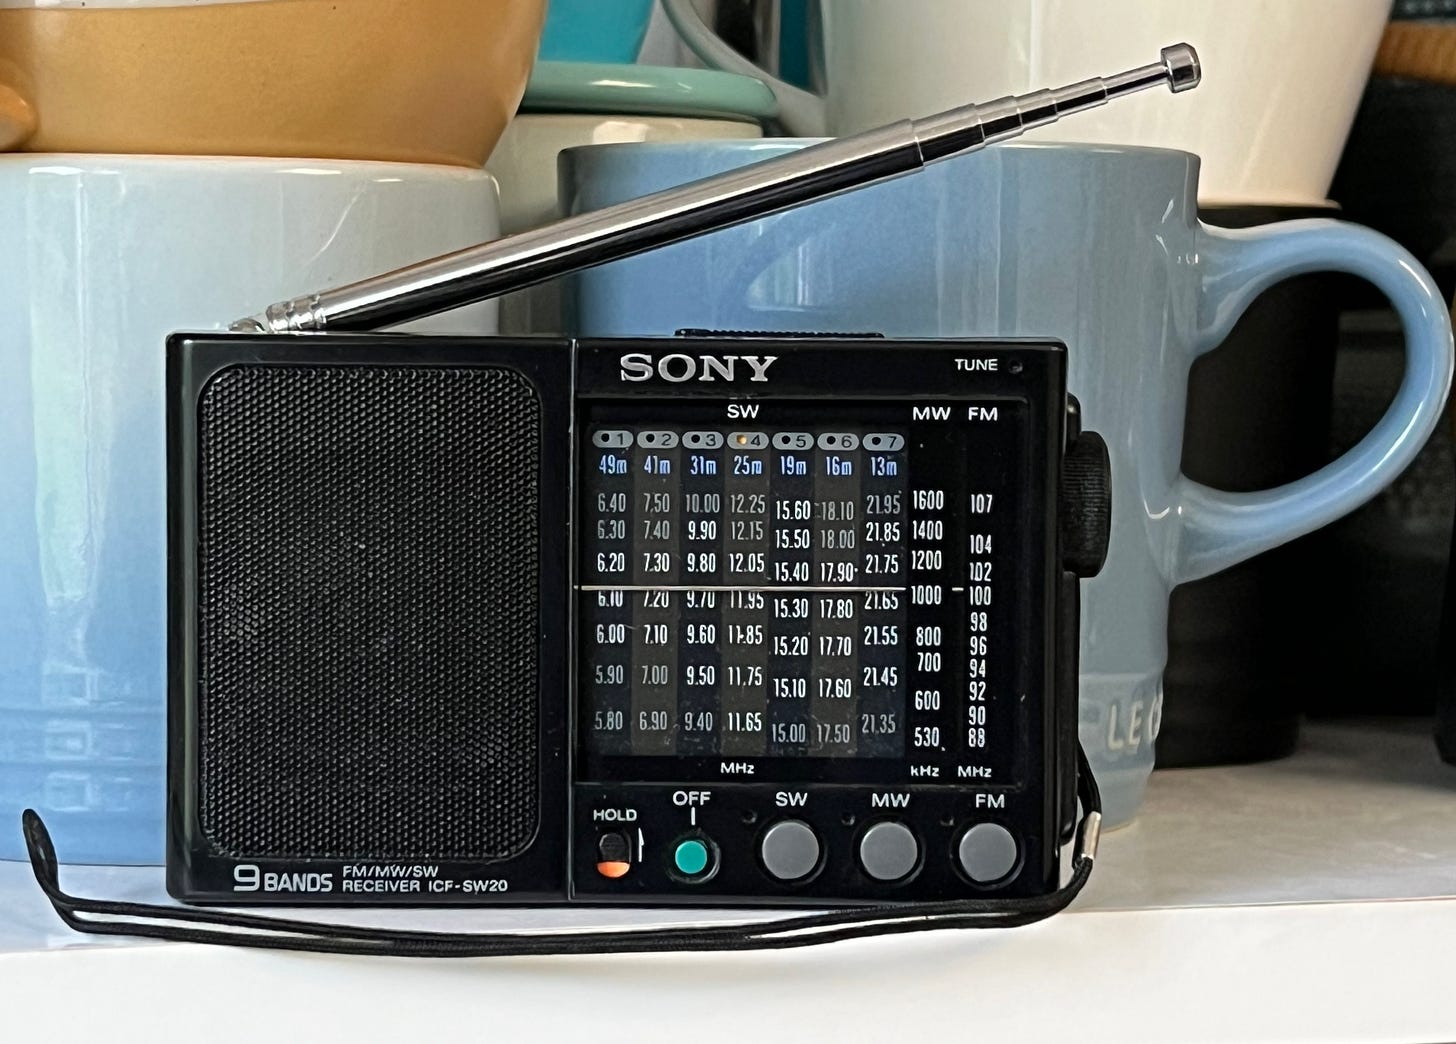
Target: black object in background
x,y
1378,598
1398,175
1446,661
1258,416
1378,594
1423,10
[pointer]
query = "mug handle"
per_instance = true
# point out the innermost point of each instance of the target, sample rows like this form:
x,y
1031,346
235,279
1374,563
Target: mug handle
x,y
800,111
17,118
1220,529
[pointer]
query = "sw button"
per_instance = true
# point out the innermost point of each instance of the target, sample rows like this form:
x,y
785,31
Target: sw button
x,y
789,850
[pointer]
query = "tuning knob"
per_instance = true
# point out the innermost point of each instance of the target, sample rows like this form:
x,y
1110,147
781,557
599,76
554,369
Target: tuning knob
x,y
1086,508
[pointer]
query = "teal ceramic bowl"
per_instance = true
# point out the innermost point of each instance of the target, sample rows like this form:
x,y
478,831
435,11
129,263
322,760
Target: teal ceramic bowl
x,y
594,30
646,90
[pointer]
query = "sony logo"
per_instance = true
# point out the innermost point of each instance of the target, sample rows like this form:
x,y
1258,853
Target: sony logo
x,y
677,368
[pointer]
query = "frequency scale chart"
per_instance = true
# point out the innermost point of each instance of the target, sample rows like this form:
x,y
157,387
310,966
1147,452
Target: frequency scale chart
x,y
802,589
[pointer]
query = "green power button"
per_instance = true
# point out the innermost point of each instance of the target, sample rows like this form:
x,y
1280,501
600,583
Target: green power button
x,y
691,857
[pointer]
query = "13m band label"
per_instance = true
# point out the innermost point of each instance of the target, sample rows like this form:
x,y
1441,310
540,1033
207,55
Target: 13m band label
x,y
821,590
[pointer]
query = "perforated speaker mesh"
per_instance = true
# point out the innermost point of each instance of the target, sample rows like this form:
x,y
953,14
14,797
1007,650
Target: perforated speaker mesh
x,y
368,612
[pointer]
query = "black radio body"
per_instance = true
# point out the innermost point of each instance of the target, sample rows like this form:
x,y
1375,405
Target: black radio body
x,y
722,620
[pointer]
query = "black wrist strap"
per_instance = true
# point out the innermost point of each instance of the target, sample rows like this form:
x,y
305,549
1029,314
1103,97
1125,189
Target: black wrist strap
x,y
224,928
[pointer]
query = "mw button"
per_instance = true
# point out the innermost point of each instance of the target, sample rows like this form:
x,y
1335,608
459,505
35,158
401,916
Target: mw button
x,y
888,851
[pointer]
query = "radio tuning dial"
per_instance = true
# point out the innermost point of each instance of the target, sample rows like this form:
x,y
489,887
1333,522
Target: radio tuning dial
x,y
1086,508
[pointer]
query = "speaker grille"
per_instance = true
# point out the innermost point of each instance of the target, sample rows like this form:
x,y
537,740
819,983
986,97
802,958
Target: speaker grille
x,y
368,589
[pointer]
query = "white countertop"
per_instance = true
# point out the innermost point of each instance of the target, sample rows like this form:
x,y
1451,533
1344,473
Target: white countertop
x,y
1303,899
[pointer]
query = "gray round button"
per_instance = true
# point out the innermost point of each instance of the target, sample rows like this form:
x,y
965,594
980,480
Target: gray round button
x,y
987,852
888,851
789,849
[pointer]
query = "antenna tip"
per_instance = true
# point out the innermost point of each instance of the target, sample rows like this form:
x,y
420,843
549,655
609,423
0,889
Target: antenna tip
x,y
1180,61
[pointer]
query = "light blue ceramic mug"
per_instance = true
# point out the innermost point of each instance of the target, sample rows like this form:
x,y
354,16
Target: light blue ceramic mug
x,y
1098,246
104,257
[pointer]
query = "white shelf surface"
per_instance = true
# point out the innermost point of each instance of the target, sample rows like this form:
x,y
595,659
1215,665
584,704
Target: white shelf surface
x,y
1312,898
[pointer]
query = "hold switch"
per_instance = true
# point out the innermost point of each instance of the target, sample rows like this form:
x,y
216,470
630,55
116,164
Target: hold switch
x,y
614,854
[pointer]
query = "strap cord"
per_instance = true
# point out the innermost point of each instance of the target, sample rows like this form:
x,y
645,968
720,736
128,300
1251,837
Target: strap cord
x,y
226,928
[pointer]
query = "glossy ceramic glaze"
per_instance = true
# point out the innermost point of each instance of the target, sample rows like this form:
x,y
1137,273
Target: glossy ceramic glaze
x,y
646,90
1100,247
104,257
426,81
524,163
594,30
1281,78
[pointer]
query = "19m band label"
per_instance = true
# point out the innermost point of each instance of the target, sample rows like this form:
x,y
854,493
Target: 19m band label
x,y
377,879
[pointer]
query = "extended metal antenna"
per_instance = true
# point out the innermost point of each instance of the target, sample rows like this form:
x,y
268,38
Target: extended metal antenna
x,y
810,174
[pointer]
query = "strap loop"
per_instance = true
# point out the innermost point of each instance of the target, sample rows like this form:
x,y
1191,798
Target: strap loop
x,y
226,928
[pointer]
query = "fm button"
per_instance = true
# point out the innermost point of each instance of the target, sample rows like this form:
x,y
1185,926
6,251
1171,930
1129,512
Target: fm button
x,y
987,853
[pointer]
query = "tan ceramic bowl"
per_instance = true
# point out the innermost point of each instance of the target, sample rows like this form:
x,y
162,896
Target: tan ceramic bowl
x,y
427,81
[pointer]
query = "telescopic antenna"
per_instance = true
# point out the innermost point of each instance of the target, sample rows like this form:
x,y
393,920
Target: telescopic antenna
x,y
810,174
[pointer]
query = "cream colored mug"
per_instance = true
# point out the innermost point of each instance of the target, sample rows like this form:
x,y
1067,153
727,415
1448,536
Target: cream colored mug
x,y
1282,78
